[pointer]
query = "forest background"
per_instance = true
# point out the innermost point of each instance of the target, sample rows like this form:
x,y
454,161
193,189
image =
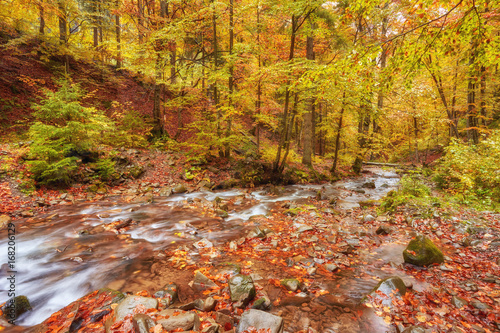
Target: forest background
x,y
280,82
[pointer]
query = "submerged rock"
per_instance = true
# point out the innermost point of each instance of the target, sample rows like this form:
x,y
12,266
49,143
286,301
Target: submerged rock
x,y
15,307
260,320
421,251
390,287
370,185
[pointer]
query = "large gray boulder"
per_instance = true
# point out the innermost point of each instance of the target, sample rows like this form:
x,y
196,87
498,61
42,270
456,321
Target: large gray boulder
x,y
260,320
421,251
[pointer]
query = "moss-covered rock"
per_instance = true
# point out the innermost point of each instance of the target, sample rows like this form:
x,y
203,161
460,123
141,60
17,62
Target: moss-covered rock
x,y
421,251
290,284
15,307
136,171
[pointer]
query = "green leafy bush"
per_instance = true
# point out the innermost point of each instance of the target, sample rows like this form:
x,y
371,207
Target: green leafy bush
x,y
412,189
132,127
472,171
63,129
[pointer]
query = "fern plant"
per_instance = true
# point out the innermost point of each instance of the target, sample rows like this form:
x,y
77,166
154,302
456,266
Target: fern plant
x,y
63,126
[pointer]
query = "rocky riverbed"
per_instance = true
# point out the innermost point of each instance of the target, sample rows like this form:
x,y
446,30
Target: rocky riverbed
x,y
311,253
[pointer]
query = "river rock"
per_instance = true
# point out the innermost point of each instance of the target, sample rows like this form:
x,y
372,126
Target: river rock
x,y
15,307
393,285
221,213
414,329
201,282
383,230
370,185
368,218
256,233
331,267
480,305
304,227
290,284
263,303
168,295
142,323
184,320
242,289
227,322
4,221
179,188
203,244
260,320
421,251
205,305
128,305
459,302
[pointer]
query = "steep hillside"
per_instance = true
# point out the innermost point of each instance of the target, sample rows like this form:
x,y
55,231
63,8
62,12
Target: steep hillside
x,y
25,71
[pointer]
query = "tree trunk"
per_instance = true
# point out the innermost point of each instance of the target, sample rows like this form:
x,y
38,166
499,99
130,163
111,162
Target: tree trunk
x,y
363,127
333,170
63,33
439,85
383,64
140,20
216,65
284,121
231,78
482,96
288,135
158,129
41,30
472,134
415,128
308,128
118,36
454,113
258,103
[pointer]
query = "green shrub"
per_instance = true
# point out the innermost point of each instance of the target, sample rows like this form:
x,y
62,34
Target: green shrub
x,y
412,189
106,169
63,128
132,127
472,172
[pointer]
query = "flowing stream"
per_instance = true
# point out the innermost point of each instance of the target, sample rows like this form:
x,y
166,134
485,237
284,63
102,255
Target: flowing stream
x,y
56,262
